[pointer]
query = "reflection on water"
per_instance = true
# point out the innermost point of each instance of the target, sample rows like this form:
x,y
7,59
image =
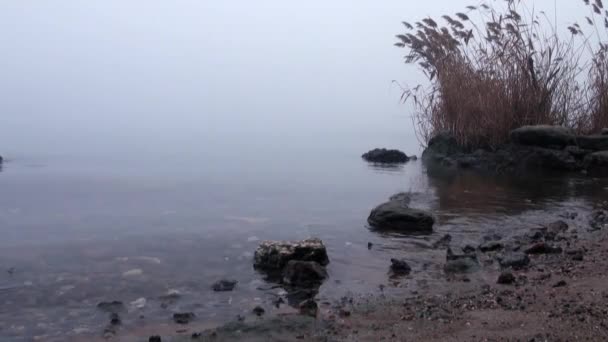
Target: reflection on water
x,y
71,242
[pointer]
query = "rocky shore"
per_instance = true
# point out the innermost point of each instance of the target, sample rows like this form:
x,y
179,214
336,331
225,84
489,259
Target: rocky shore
x,y
540,148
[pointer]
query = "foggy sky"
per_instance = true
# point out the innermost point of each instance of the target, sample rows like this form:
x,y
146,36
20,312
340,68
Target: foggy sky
x,y
167,77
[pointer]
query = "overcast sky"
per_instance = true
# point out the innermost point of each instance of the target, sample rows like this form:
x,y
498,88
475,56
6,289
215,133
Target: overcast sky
x,y
151,76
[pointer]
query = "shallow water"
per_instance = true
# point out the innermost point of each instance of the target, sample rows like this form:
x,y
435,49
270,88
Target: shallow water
x,y
76,236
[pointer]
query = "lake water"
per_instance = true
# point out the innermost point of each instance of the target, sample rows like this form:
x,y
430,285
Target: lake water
x,y
150,146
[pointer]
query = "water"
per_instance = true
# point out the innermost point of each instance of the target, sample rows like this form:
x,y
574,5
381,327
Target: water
x,y
150,147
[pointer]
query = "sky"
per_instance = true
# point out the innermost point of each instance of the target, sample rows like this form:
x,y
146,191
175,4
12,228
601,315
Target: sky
x,y
160,78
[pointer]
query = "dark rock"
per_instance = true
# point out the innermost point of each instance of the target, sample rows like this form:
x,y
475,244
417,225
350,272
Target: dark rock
x,y
506,278
514,260
460,263
468,249
576,254
593,142
597,159
396,216
543,248
370,245
443,242
155,339
400,267
384,156
560,283
196,335
599,220
604,131
274,255
111,307
258,311
115,319
441,145
309,308
304,273
543,136
224,285
577,152
558,227
491,246
183,317
344,313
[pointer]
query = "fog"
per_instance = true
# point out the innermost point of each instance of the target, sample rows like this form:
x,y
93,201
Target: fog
x,y
187,78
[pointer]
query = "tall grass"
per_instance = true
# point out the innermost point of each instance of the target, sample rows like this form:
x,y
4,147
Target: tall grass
x,y
499,66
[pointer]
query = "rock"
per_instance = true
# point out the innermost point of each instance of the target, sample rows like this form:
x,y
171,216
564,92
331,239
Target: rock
x,y
443,242
543,248
403,197
224,285
306,274
309,308
274,255
370,245
576,254
441,145
593,142
558,227
560,283
469,249
514,260
115,319
400,267
604,131
506,278
395,215
491,246
111,307
577,152
599,220
258,311
183,317
543,136
460,263
597,159
384,156
154,339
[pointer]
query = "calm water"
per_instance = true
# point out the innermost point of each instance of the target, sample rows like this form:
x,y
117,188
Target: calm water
x,y
150,146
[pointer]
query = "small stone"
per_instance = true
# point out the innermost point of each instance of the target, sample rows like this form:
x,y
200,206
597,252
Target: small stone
x,y
224,285
506,278
400,267
183,317
560,283
370,245
196,335
344,313
154,339
515,260
543,248
309,307
491,246
259,311
115,319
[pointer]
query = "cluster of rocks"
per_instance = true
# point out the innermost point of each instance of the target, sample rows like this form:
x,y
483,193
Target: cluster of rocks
x,y
297,265
385,156
530,147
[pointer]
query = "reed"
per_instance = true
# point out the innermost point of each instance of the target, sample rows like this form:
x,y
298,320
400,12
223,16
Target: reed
x,y
500,66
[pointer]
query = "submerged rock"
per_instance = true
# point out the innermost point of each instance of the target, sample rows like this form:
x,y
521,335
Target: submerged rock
x,y
305,274
258,311
274,255
514,260
395,215
543,136
224,285
384,156
460,263
400,267
183,317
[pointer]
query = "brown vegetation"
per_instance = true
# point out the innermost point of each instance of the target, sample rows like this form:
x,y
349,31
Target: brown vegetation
x,y
498,67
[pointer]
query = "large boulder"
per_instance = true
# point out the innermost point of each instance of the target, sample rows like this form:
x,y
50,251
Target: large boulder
x,y
597,159
593,142
307,274
395,215
543,136
441,145
384,156
275,255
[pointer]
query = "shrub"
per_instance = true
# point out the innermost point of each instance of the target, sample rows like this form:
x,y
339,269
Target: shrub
x,y
497,67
